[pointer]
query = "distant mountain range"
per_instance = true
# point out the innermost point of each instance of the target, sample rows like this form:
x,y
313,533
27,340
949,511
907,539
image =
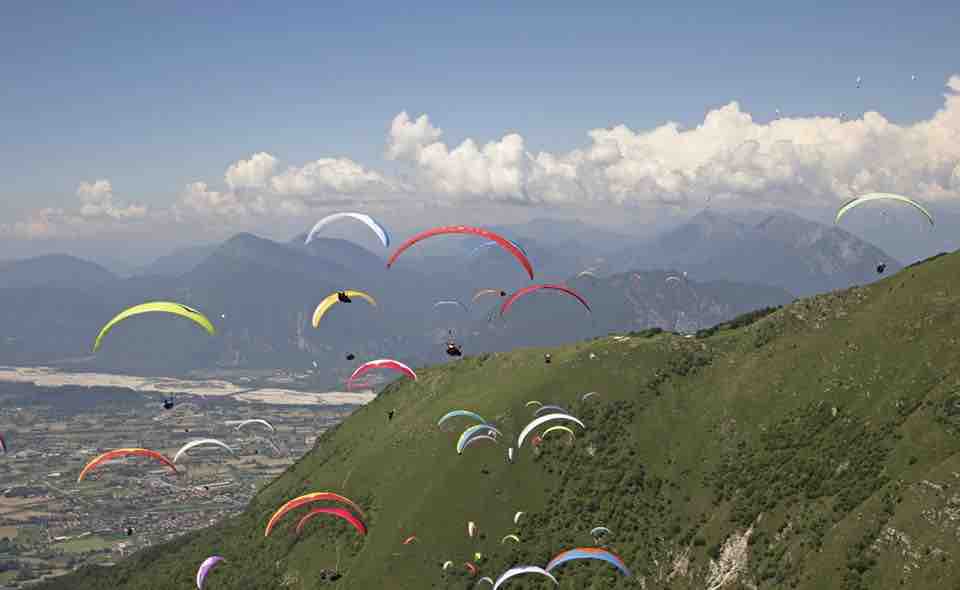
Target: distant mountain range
x,y
782,250
53,270
179,261
261,294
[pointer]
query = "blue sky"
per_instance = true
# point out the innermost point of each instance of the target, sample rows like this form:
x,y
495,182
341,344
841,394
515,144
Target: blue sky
x,y
153,96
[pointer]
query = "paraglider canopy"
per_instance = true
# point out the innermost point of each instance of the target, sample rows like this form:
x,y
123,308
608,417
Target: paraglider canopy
x,y
455,413
205,568
125,452
169,307
308,499
483,292
200,442
882,197
589,553
484,431
338,512
534,288
339,297
381,364
524,570
243,423
600,531
504,243
451,302
370,222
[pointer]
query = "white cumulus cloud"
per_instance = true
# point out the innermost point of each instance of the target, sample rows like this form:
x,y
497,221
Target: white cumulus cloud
x,y
498,169
98,211
406,137
252,173
253,188
326,175
96,200
198,199
787,161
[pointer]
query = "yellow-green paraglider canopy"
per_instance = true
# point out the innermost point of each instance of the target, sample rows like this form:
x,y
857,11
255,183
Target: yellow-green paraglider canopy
x,y
156,306
332,299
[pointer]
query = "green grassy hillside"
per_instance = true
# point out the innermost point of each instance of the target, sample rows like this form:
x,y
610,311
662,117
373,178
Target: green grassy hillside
x,y
813,447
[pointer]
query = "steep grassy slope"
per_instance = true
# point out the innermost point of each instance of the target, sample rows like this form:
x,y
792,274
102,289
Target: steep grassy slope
x,y
815,447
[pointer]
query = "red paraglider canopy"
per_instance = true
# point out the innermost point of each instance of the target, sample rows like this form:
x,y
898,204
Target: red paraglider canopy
x,y
110,455
303,501
532,288
340,512
381,364
466,229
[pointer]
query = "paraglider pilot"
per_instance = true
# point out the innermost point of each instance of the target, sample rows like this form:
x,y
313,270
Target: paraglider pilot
x,y
168,404
547,358
390,415
881,268
342,297
452,348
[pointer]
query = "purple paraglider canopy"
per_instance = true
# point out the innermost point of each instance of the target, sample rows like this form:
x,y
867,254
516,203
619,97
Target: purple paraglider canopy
x,y
205,567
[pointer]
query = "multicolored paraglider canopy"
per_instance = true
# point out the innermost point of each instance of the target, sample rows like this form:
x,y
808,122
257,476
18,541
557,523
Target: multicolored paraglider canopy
x,y
457,413
589,553
117,453
381,364
543,419
308,499
474,432
338,512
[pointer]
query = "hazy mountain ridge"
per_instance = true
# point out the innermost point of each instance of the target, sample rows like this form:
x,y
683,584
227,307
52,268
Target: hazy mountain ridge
x,y
178,262
261,294
782,250
53,270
